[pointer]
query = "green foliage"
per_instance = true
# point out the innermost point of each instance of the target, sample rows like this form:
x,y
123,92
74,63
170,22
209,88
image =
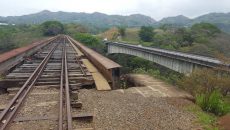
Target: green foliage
x,y
87,39
213,102
205,81
121,31
172,38
98,21
202,39
51,28
131,64
6,40
206,28
146,34
202,31
207,120
183,37
72,28
208,86
16,36
131,35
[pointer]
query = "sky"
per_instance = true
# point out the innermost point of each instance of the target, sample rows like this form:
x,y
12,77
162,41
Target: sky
x,y
156,9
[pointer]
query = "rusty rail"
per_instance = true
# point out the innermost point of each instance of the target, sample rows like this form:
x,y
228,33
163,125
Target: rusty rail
x,y
67,94
82,70
11,58
109,69
60,125
66,84
9,112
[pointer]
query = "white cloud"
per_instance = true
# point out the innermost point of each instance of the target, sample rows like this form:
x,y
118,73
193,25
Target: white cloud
x,y
154,8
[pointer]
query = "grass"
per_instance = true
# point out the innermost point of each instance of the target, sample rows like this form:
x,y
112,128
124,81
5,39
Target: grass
x,y
227,99
206,120
131,35
24,39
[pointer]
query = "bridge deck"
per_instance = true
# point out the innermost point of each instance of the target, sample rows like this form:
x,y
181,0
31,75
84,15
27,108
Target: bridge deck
x,y
175,53
177,61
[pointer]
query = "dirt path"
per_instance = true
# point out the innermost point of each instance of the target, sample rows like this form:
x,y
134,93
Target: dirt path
x,y
149,86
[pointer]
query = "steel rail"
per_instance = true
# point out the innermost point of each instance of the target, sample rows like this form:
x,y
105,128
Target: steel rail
x,y
82,70
10,111
60,125
67,94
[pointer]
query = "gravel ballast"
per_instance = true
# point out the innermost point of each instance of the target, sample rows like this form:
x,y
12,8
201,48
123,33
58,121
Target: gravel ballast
x,y
116,110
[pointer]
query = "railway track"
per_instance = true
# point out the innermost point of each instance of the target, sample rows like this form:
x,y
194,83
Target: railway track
x,y
50,80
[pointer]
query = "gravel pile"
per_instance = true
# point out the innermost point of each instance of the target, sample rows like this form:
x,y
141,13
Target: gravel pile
x,y
114,110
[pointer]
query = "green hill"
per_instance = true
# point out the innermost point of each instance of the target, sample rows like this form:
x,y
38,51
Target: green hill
x,y
104,21
95,19
221,20
177,20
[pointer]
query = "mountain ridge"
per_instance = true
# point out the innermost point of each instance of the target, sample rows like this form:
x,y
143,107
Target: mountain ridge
x,y
99,19
222,20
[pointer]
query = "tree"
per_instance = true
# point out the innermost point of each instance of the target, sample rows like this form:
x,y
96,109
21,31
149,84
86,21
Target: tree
x,y
122,31
6,40
146,34
87,39
206,29
51,28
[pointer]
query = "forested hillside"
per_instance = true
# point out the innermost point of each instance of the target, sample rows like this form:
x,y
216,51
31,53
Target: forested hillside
x,y
203,39
100,21
96,19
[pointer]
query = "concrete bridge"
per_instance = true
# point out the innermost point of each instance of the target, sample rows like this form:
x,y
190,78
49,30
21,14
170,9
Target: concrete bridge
x,y
177,61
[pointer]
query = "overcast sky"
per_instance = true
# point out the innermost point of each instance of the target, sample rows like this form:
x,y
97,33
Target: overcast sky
x,y
157,9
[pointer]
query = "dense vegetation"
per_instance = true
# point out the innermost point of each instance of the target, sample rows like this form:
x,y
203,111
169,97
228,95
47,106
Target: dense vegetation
x,y
87,39
6,42
51,28
209,87
122,31
146,34
17,36
95,20
13,36
203,38
131,64
99,21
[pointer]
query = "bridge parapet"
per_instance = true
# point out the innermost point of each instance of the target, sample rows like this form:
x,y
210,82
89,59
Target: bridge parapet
x,y
109,69
178,61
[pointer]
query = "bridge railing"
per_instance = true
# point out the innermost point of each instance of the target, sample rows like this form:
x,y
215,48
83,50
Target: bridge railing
x,y
197,59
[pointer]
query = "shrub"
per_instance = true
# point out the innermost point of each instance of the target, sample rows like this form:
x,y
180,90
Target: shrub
x,y
6,42
87,39
213,102
207,86
122,31
146,34
51,28
91,41
205,29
